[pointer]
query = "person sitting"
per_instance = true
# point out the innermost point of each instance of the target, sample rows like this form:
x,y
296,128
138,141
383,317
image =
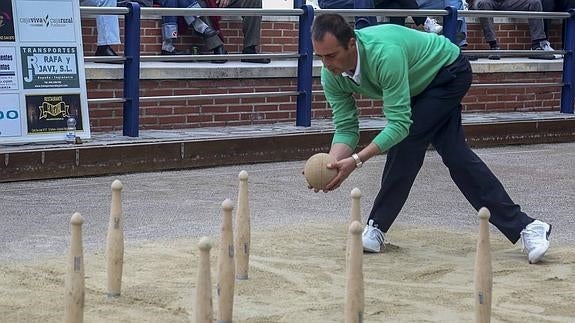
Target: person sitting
x,y
425,23
556,6
107,27
461,28
251,27
170,29
538,37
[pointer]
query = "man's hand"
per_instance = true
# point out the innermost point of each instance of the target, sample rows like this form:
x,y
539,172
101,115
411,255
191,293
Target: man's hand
x,y
344,168
223,3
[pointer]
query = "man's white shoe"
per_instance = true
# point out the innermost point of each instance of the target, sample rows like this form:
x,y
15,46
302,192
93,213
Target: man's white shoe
x,y
431,26
535,238
372,238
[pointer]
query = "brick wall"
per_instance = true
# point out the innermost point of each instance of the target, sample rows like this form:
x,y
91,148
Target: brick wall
x,y
282,37
222,112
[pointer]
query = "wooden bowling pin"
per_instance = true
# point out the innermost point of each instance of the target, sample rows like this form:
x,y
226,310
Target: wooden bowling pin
x,y
483,278
355,214
115,243
355,205
74,285
226,266
354,294
243,236
203,311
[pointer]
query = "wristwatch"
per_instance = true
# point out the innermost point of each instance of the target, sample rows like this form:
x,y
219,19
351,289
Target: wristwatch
x,y
358,162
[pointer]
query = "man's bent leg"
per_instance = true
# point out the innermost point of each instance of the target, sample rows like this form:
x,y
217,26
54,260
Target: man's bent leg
x,y
476,181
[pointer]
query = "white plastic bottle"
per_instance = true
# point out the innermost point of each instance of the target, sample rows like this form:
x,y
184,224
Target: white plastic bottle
x,y
71,130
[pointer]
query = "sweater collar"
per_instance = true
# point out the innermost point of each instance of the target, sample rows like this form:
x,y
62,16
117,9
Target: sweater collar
x,y
356,76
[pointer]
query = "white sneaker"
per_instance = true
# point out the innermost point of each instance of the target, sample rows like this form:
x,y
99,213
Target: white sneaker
x,y
546,45
535,238
372,238
431,26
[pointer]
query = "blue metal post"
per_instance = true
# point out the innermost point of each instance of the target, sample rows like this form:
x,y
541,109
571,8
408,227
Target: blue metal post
x,y
304,66
567,91
450,24
132,71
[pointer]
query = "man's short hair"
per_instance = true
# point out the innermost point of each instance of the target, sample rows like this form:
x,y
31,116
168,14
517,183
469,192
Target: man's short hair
x,y
334,24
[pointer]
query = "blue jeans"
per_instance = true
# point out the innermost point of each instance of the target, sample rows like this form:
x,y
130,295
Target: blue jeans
x,y
461,29
107,26
170,23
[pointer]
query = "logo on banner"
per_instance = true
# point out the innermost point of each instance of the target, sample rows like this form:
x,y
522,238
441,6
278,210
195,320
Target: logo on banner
x,y
45,21
10,124
48,113
50,67
6,22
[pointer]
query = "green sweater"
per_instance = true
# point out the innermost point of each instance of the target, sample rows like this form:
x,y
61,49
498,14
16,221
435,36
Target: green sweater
x,y
396,63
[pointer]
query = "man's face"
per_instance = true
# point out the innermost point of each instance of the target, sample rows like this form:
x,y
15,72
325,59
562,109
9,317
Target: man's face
x,y
334,57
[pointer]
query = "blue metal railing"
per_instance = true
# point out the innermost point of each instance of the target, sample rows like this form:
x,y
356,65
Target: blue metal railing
x,y
131,98
567,92
131,120
304,65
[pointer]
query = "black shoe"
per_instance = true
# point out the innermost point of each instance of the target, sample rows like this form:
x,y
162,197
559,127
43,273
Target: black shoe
x,y
174,52
494,57
105,50
220,50
469,56
209,32
252,50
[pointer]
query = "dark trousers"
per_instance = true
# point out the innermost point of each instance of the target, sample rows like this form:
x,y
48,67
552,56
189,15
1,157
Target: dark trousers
x,y
436,115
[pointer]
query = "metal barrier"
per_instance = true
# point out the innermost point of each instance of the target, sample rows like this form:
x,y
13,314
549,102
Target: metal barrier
x,y
133,14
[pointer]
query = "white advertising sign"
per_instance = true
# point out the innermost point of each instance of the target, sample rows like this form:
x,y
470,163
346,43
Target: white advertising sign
x,y
46,21
8,79
42,75
10,116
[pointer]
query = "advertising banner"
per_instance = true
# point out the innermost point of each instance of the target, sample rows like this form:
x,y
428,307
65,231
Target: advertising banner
x,y
42,76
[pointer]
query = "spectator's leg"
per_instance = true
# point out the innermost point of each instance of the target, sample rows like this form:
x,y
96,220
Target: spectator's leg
x,y
212,43
107,25
251,24
412,4
194,21
362,21
169,29
391,4
486,22
548,6
535,24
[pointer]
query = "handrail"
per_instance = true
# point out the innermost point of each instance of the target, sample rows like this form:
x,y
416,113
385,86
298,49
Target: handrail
x,y
220,12
217,96
306,13
176,58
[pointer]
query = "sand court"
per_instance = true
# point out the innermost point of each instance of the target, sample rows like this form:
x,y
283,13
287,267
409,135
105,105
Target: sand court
x,y
297,261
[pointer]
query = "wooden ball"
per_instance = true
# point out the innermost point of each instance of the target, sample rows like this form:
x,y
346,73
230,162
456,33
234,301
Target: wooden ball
x,y
316,172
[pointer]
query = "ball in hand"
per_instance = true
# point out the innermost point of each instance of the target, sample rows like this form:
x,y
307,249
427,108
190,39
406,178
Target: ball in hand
x,y
316,172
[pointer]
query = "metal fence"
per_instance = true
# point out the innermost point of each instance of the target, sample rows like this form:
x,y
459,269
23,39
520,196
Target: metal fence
x,y
131,59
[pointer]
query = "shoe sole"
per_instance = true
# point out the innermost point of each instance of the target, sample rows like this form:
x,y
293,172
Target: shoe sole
x,y
369,250
548,233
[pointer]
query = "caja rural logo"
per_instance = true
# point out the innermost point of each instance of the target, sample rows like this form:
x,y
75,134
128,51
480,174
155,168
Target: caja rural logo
x,y
46,21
